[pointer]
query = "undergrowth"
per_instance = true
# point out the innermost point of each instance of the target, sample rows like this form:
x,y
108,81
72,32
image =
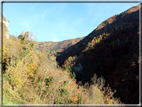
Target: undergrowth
x,y
30,77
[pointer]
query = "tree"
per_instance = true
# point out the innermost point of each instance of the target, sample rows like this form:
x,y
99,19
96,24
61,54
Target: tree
x,y
23,36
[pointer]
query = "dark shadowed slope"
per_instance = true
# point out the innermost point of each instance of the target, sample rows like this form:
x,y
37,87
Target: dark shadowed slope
x,y
111,51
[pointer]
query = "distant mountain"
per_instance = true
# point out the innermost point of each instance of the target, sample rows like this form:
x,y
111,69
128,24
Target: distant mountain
x,y
111,51
52,48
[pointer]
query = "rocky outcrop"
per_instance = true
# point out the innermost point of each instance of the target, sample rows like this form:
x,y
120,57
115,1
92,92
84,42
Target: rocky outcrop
x,y
5,26
78,68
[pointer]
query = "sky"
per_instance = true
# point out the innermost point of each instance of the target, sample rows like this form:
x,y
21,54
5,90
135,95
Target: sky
x,y
59,21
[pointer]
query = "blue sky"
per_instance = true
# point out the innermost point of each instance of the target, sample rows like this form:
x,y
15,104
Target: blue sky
x,y
59,21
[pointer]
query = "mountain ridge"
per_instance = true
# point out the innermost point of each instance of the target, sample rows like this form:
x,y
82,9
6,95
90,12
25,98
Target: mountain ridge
x,y
56,47
106,22
111,51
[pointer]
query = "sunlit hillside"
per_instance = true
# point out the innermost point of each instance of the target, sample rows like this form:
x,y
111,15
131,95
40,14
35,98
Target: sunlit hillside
x,y
53,48
30,77
101,68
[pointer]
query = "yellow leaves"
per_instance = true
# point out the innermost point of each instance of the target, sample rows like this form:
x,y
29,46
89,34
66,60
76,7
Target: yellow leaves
x,y
4,48
20,64
40,55
4,53
107,34
74,92
17,74
31,69
97,40
32,63
33,66
110,101
75,99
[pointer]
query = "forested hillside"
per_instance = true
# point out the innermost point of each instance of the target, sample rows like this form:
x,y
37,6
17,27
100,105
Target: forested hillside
x,y
52,48
110,51
100,68
30,77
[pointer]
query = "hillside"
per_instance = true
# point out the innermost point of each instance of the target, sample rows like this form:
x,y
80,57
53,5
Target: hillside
x,y
30,77
52,48
100,68
110,51
33,77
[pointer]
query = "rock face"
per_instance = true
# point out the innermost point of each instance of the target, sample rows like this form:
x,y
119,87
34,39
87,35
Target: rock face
x,y
78,68
5,26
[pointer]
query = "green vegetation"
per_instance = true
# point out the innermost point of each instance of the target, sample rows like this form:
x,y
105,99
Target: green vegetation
x,y
65,83
63,92
70,71
80,99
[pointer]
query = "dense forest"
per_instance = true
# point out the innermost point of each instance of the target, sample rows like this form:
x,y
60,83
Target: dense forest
x,y
100,68
111,51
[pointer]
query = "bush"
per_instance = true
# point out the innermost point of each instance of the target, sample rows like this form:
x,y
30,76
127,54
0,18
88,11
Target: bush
x,y
80,99
63,92
70,71
65,83
47,80
70,61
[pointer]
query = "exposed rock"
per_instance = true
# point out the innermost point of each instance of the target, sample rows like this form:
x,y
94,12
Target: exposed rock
x,y
78,68
5,26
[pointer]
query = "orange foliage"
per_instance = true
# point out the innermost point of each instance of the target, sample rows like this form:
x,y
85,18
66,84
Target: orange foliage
x,y
60,50
104,37
100,37
93,42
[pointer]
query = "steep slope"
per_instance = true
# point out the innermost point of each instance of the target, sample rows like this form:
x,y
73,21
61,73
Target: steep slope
x,y
30,77
4,26
111,51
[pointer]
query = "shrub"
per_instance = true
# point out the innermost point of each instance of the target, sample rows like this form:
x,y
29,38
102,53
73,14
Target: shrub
x,y
31,69
80,99
17,74
31,45
65,83
70,61
47,80
4,53
70,71
63,92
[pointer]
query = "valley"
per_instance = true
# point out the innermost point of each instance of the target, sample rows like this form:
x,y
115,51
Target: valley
x,y
105,61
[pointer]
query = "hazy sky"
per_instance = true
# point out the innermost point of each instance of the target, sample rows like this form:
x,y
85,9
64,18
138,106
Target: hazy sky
x,y
59,21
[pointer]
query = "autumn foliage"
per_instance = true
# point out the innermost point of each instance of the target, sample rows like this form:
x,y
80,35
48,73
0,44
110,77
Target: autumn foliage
x,y
109,56
30,77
